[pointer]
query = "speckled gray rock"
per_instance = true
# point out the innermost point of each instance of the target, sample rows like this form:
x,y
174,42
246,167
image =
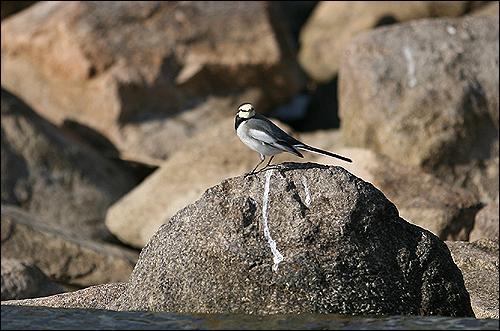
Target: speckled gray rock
x,y
299,238
23,279
478,262
93,297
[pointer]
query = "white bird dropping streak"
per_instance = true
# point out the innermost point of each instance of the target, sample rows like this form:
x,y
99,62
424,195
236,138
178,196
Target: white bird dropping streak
x,y
277,255
308,196
412,81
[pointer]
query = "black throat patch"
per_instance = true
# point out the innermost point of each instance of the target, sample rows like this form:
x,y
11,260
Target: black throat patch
x,y
238,121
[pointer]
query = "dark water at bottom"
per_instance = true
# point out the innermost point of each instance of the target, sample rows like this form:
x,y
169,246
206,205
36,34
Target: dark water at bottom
x,y
41,318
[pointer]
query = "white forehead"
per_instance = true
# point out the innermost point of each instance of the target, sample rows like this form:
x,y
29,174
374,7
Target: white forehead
x,y
246,107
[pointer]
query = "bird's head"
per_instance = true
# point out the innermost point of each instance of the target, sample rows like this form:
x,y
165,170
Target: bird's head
x,y
246,110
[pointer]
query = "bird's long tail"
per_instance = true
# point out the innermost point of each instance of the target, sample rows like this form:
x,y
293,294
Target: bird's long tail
x,y
322,152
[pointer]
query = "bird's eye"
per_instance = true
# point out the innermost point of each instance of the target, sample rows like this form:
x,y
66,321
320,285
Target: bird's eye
x,y
246,107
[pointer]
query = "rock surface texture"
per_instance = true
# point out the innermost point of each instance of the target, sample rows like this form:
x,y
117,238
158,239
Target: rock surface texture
x,y
296,238
422,93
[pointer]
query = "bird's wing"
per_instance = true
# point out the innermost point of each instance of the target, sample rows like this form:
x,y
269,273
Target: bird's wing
x,y
268,139
262,136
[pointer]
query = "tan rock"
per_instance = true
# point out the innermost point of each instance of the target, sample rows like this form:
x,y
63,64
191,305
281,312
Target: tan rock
x,y
333,23
423,94
107,65
421,198
60,255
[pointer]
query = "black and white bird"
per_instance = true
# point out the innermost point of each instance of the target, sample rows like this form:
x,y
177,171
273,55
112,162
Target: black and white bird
x,y
264,137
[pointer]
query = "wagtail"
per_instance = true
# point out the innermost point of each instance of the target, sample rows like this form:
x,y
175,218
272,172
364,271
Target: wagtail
x,y
264,137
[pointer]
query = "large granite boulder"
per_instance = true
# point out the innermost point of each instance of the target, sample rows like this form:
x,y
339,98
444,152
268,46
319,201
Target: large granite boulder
x,y
296,238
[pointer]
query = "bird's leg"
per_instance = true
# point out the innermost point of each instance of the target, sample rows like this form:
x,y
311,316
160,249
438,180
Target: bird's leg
x,y
262,158
268,163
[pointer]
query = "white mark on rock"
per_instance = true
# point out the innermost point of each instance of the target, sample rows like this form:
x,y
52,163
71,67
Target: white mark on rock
x,y
308,196
277,255
412,81
451,30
